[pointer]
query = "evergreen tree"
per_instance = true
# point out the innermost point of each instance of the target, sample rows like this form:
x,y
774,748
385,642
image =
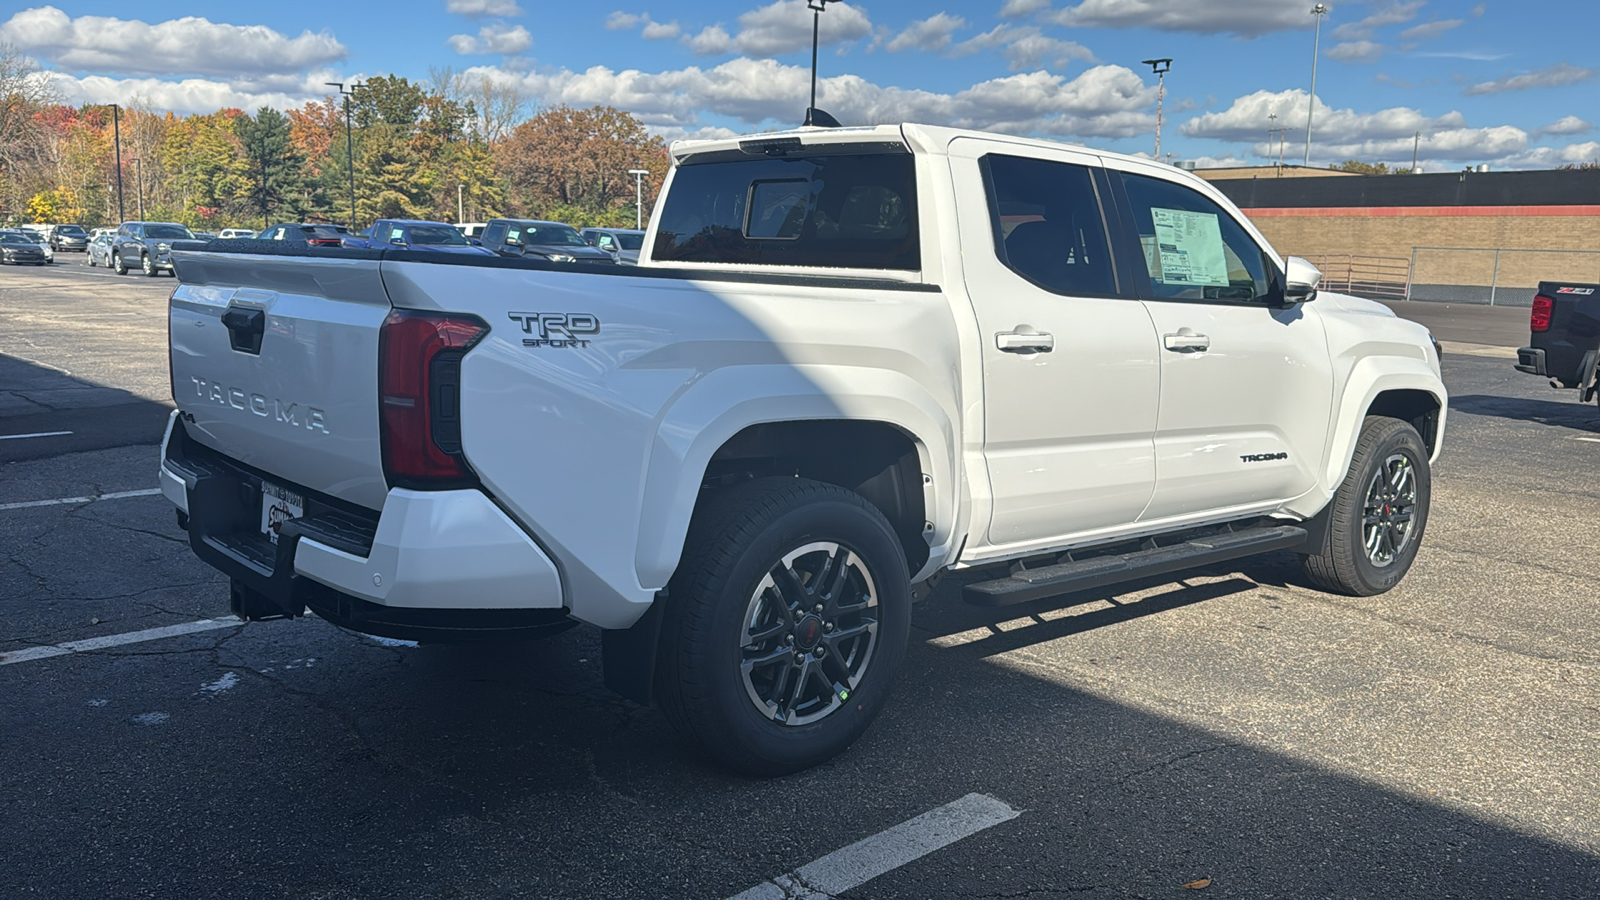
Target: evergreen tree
x,y
276,173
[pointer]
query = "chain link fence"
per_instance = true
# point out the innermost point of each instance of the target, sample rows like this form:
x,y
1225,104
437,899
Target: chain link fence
x,y
1494,276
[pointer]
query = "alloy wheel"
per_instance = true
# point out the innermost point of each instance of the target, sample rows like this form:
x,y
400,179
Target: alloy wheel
x,y
1388,516
810,630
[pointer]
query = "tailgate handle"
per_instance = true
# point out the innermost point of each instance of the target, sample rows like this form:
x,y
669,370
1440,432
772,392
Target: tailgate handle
x,y
245,326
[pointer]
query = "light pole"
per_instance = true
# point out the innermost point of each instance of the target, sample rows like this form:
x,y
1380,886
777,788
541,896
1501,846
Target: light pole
x,y
349,146
638,196
1320,10
138,167
1416,143
1160,67
813,115
459,217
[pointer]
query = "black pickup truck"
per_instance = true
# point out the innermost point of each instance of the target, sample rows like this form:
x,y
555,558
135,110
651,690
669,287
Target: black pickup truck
x,y
1565,337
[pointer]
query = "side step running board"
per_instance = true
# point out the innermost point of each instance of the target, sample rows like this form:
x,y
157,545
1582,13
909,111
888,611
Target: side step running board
x,y
1083,574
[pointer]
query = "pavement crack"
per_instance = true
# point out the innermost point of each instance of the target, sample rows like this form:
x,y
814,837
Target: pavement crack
x,y
1172,761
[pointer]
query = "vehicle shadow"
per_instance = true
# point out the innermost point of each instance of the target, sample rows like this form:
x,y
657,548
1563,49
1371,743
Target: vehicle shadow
x,y
1565,413
38,399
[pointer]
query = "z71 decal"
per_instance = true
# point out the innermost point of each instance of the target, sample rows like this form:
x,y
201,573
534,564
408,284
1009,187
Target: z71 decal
x,y
1574,290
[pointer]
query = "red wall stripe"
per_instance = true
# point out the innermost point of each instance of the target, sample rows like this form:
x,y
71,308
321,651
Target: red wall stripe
x,y
1379,212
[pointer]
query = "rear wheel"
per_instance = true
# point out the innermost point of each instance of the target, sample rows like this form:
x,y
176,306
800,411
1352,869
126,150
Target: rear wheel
x,y
785,624
1377,518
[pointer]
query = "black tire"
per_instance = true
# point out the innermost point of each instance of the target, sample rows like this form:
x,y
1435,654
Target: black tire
x,y
148,266
118,264
1359,557
91,259
737,540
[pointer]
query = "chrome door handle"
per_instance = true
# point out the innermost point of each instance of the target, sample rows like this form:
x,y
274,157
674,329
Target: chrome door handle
x,y
1025,340
1186,341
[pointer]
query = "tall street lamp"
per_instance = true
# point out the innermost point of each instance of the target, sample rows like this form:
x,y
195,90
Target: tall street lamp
x,y
638,196
1320,10
815,116
459,217
116,132
349,146
1160,67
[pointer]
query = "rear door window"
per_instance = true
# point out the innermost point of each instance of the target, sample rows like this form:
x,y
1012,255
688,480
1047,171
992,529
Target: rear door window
x,y
1047,225
855,211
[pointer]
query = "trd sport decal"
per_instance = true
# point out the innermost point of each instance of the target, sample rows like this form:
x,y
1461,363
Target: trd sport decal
x,y
556,329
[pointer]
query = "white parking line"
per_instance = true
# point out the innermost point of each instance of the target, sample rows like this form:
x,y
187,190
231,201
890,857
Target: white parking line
x,y
115,640
16,437
866,859
1590,440
62,501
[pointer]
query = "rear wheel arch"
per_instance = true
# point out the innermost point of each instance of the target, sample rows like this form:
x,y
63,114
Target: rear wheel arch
x,y
882,463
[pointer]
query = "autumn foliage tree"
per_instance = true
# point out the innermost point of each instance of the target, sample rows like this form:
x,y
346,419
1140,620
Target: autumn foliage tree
x,y
572,165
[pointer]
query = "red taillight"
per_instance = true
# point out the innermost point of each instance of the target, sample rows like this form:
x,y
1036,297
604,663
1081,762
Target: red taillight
x,y
419,390
1542,308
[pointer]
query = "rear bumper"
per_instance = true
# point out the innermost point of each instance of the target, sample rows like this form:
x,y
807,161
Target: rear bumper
x,y
1531,360
429,552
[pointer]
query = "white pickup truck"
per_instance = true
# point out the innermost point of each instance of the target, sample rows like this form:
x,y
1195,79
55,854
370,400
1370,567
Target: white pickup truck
x,y
850,360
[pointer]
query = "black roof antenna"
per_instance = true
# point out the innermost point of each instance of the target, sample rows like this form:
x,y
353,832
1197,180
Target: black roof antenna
x,y
816,117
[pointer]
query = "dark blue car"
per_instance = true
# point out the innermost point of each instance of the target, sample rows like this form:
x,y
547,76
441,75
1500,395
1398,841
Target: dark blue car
x,y
411,234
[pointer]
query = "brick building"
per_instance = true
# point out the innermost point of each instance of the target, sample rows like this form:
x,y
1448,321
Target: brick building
x,y
1465,236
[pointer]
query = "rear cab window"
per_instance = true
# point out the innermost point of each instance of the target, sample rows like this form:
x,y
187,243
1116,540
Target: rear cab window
x,y
842,210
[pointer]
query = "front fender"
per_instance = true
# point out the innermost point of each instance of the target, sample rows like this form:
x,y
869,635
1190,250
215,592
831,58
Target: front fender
x,y
726,401
1370,377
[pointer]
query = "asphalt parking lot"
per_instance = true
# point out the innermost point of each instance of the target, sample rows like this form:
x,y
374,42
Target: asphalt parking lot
x,y
1442,740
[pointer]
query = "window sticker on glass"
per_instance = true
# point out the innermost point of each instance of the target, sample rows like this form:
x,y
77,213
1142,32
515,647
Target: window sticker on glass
x,y
1189,248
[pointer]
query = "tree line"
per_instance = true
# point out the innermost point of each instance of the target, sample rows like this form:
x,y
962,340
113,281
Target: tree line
x,y
425,150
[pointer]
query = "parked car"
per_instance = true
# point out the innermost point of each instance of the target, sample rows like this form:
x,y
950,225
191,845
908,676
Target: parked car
x,y
232,234
69,237
622,243
37,235
535,239
99,251
836,374
204,236
146,246
18,249
411,234
471,229
1564,337
317,234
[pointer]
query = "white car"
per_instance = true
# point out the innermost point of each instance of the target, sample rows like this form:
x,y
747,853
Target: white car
x,y
472,229
228,234
849,360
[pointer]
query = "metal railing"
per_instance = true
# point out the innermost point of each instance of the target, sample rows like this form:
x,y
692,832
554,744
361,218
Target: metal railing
x,y
1374,277
1497,276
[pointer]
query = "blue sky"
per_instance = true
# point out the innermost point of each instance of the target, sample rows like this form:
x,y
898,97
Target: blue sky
x,y
1510,84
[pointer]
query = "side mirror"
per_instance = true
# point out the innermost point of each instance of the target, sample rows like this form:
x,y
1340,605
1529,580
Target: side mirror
x,y
513,241
398,239
475,242
1300,281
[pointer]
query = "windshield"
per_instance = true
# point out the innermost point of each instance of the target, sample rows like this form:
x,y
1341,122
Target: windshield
x,y
169,232
437,234
70,229
552,236
630,241
14,239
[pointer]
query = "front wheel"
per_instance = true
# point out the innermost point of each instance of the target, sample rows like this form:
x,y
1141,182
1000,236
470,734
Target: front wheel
x,y
1376,520
118,264
147,265
785,624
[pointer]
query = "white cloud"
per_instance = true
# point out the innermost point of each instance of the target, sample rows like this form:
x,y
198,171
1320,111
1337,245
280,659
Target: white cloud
x,y
1035,51
661,31
1248,18
621,21
1105,101
190,95
189,45
1382,136
1014,9
931,34
1429,30
1559,75
1551,157
783,26
1356,51
505,39
1391,14
484,7
1566,125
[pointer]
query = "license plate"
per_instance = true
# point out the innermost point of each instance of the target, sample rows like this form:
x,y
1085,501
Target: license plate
x,y
278,505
